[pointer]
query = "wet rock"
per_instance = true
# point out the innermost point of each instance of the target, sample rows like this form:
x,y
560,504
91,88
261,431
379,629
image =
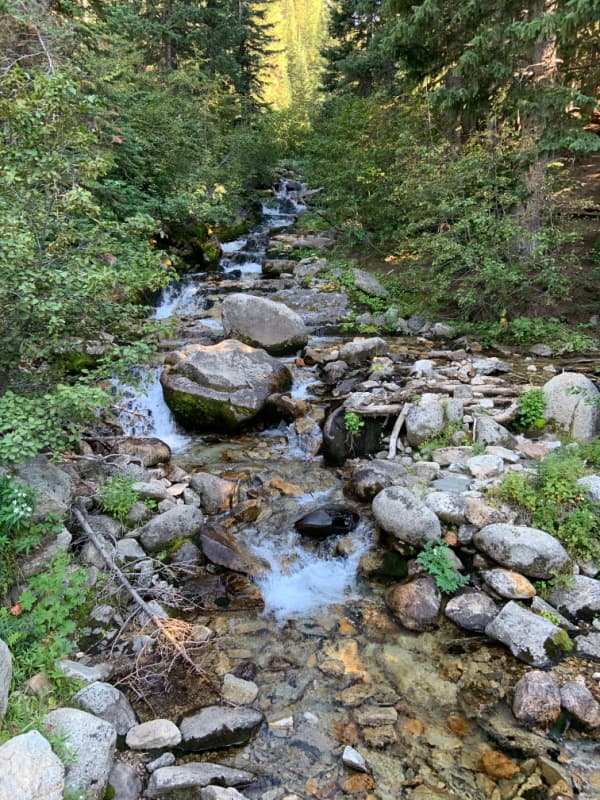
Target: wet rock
x,y
125,782
399,512
328,521
260,322
231,590
226,549
570,404
484,467
577,699
222,386
167,781
588,646
239,691
447,506
358,784
416,604
472,611
508,584
216,494
369,284
29,770
490,432
339,444
5,676
580,600
156,734
352,759
536,700
489,366
362,350
91,742
150,451
497,765
528,636
530,551
53,487
381,736
423,422
215,727
179,522
107,702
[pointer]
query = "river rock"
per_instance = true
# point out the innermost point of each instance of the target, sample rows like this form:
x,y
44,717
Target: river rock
x,y
577,699
339,444
221,386
372,477
53,487
445,456
448,507
91,742
260,322
237,690
168,781
215,727
274,267
352,759
155,734
360,351
423,422
591,486
220,793
149,450
580,600
528,636
530,551
484,467
471,611
511,585
107,702
30,770
571,403
488,366
35,562
129,550
366,282
177,523
416,603
588,646
399,512
490,432
328,521
226,549
5,676
536,700
216,494
125,782
309,267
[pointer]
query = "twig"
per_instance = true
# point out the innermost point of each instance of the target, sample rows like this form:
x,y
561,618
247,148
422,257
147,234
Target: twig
x,y
396,430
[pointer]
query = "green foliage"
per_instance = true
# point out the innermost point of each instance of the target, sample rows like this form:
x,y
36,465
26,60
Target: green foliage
x,y
353,423
524,331
436,559
531,411
443,439
564,641
117,496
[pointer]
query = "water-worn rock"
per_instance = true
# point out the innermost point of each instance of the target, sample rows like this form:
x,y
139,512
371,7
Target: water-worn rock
x,y
107,702
577,699
484,467
53,487
444,456
508,584
588,646
536,701
580,600
416,603
215,727
149,450
228,550
399,512
372,477
571,404
125,782
155,734
30,770
489,432
487,366
222,386
220,793
447,506
530,551
273,267
216,494
424,421
5,676
327,521
471,611
261,322
528,636
91,742
177,523
167,781
362,350
239,691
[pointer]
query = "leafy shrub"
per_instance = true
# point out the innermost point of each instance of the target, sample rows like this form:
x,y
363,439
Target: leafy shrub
x,y
353,423
117,496
531,412
435,558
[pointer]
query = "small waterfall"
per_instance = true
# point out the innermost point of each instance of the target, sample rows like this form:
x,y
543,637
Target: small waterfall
x,y
181,297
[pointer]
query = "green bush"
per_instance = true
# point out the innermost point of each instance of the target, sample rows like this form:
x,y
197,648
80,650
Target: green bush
x,y
531,411
117,496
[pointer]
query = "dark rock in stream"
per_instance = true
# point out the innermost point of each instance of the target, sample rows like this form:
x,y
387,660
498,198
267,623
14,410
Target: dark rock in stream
x,y
370,478
339,444
416,603
537,700
224,548
215,727
150,450
324,522
229,591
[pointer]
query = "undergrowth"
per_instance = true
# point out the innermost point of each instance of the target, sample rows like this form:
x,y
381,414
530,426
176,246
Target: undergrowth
x,y
436,559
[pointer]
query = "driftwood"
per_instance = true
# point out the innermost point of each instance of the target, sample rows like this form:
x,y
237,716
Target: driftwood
x,y
396,430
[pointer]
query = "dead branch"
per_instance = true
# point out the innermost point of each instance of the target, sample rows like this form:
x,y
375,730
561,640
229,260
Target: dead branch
x,y
396,430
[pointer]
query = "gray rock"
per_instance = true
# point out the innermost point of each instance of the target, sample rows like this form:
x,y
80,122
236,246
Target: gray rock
x,y
511,585
261,322
571,404
372,477
54,488
352,759
361,351
577,699
369,284
533,552
138,514
399,512
472,611
238,691
488,366
129,550
164,760
449,507
79,672
536,700
444,456
216,494
155,734
179,522
107,702
490,432
222,386
91,742
126,783
541,349
149,450
588,646
187,554
579,601
5,676
528,636
37,561
309,267
215,727
537,604
484,467
91,556
29,770
591,486
150,490
425,471
273,267
169,780
424,421
442,331
416,603
220,793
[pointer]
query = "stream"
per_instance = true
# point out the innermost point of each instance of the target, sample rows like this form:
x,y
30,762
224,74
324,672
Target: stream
x,y
332,666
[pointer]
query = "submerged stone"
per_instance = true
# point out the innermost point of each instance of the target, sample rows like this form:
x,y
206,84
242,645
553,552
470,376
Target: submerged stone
x,y
329,521
215,727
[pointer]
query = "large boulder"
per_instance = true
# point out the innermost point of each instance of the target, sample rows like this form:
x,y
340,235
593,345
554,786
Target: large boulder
x,y
530,551
221,386
572,404
178,522
399,512
261,322
54,489
5,676
29,770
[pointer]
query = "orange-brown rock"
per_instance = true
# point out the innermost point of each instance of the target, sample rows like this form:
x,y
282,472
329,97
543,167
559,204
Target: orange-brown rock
x,y
358,783
497,765
458,725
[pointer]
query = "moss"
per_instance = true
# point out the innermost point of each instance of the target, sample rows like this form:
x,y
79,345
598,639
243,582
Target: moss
x,y
197,412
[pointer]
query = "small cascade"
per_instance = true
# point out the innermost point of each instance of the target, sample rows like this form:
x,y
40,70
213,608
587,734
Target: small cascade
x,y
181,297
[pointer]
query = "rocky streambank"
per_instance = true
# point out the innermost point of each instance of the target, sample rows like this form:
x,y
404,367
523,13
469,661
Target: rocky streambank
x,y
462,661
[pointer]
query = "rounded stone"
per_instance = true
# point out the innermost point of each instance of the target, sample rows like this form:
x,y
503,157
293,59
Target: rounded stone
x,y
107,702
571,404
155,734
530,551
577,699
261,322
399,512
471,611
536,700
416,603
29,770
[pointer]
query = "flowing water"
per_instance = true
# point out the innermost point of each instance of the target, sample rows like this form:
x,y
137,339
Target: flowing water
x,y
325,652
